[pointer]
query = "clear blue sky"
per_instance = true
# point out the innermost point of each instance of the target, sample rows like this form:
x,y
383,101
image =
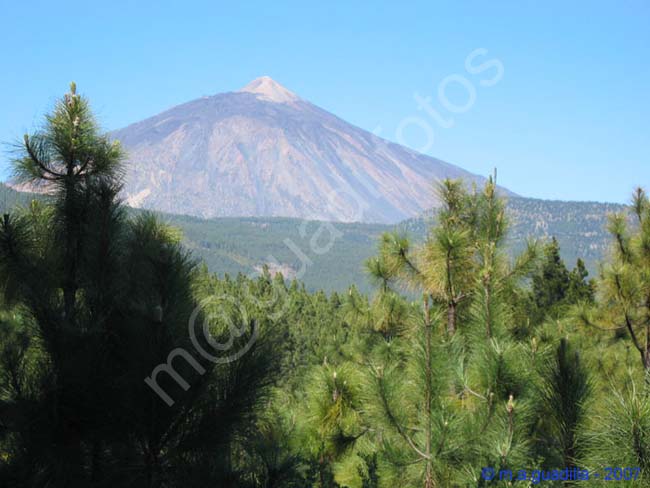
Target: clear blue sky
x,y
568,119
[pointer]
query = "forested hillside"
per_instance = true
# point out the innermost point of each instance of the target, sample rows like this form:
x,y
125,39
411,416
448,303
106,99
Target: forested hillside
x,y
244,245
125,361
579,227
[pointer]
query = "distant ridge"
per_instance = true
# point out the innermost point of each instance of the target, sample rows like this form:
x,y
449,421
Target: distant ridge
x,y
263,151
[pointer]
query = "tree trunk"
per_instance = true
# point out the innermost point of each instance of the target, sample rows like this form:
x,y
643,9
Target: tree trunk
x,y
488,309
646,360
451,318
645,353
70,278
428,482
152,468
96,462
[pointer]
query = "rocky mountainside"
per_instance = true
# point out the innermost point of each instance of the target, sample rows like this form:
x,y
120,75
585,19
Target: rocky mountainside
x,y
263,151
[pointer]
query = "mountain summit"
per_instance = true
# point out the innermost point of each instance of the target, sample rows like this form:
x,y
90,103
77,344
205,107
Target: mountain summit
x,y
264,151
270,90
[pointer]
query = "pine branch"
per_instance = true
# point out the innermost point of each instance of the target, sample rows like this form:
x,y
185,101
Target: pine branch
x,y
395,423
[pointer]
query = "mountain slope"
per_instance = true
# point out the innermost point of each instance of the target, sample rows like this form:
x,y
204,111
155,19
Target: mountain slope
x,y
263,151
245,245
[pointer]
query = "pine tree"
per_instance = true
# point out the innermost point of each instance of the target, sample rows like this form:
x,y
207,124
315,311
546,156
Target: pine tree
x,y
624,284
464,276
103,301
448,254
621,435
565,388
555,288
581,288
551,282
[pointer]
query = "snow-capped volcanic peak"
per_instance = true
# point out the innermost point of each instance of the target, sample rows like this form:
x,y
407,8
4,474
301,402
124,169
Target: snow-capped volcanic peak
x,y
270,90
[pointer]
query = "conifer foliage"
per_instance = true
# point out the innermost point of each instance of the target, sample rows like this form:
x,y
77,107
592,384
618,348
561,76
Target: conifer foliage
x,y
124,363
625,282
95,301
